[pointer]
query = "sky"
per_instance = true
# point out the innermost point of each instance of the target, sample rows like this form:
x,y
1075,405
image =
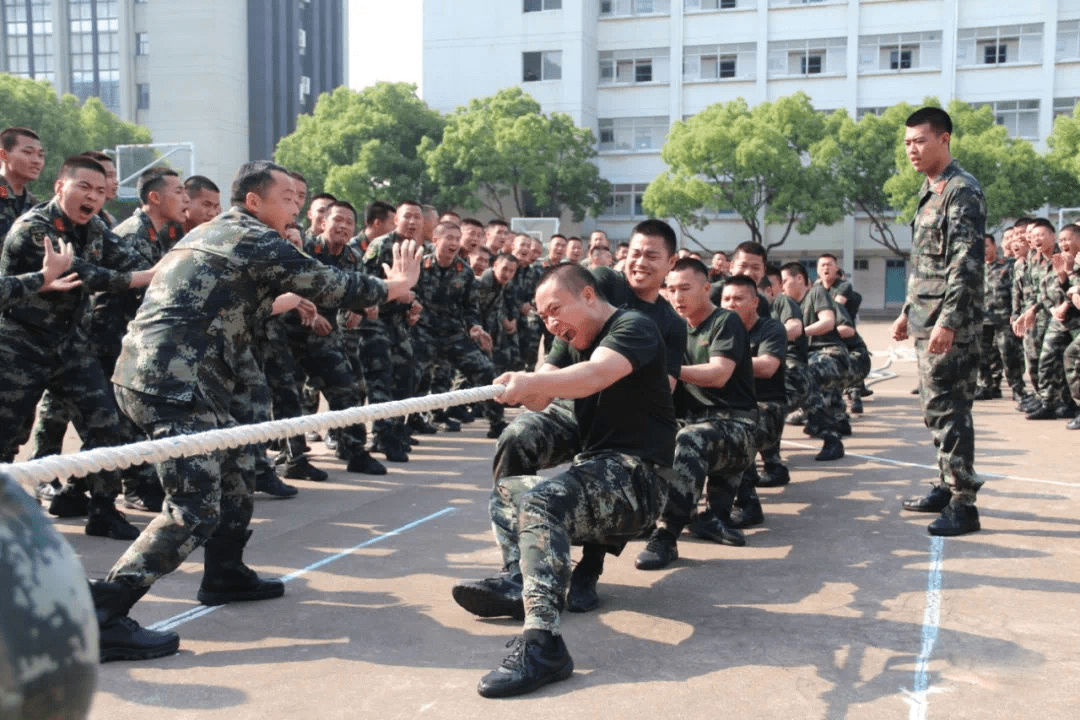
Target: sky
x,y
381,55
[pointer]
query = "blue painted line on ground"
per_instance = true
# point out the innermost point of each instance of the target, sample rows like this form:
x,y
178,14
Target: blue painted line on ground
x,y
204,610
919,697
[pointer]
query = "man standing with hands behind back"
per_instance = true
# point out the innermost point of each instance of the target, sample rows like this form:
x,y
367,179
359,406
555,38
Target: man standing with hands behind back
x,y
943,313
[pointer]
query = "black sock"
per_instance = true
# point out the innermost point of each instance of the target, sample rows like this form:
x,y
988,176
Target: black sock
x,y
592,559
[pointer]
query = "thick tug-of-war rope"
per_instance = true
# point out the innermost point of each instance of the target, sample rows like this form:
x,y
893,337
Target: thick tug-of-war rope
x,y
120,457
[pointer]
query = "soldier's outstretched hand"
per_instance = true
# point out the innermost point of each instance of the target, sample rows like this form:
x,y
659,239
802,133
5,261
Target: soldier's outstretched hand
x,y
54,264
406,264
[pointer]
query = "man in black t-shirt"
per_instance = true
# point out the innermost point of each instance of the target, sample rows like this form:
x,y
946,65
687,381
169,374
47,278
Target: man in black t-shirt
x,y
768,347
612,366
860,363
538,440
828,359
717,404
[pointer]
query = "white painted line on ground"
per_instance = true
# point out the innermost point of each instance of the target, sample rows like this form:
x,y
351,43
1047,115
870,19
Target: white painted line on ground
x,y
934,468
918,698
203,610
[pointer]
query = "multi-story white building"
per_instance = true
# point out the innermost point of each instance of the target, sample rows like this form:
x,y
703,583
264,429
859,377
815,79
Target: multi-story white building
x,y
629,68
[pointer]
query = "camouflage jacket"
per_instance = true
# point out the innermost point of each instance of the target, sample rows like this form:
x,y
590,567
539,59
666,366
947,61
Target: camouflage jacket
x,y
945,286
1049,290
100,261
491,302
348,260
195,328
393,314
448,297
12,206
13,290
111,312
997,302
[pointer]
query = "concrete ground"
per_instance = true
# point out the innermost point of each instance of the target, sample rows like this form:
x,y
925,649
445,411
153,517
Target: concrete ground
x,y
841,606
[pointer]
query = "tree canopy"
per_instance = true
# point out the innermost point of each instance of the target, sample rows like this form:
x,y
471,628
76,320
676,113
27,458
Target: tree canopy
x,y
503,148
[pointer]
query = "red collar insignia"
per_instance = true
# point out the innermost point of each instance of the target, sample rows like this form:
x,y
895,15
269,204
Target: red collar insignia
x,y
3,193
58,223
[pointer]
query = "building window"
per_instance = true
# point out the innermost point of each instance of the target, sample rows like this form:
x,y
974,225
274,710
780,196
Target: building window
x,y
790,3
634,66
860,264
719,62
143,100
1020,117
28,36
1064,106
634,134
1008,44
626,201
142,43
95,51
305,89
807,57
301,40
539,5
615,8
538,66
719,4
860,113
1068,40
908,51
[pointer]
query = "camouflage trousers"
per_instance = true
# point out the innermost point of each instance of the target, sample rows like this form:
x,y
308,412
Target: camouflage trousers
x,y
205,495
830,367
325,364
528,339
464,355
1002,355
373,349
279,368
602,498
535,441
1072,367
770,429
67,369
1033,341
946,391
798,382
718,448
1053,387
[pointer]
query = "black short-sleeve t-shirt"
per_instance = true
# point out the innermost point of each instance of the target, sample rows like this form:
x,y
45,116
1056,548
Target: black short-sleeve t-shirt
x,y
855,343
816,300
768,337
784,309
635,415
722,334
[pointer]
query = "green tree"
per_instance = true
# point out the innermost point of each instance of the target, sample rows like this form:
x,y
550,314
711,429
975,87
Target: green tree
x,y
65,128
503,148
1014,177
1063,161
755,162
859,157
362,145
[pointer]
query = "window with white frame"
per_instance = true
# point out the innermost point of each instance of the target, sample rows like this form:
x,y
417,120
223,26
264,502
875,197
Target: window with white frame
x,y
540,5
692,5
1064,106
719,62
1005,45
1020,117
860,113
906,51
626,200
795,3
1068,40
617,8
619,67
546,65
796,58
632,134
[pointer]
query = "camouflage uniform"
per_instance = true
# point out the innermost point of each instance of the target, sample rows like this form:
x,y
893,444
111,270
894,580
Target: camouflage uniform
x,y
13,290
450,309
185,356
945,288
768,337
1053,388
494,302
522,289
798,382
610,493
1026,295
1000,349
49,652
12,206
43,341
829,364
860,357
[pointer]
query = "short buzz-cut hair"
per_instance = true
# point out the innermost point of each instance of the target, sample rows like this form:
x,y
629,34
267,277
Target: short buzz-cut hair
x,y
987,237
377,211
324,196
256,177
658,228
78,162
1042,223
472,222
152,180
297,175
498,223
441,228
100,157
197,183
1071,228
742,281
689,263
830,256
796,268
509,257
772,271
9,136
343,204
749,247
415,204
938,120
1022,222
571,276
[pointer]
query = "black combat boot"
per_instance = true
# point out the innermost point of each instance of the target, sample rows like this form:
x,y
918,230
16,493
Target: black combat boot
x,y
934,501
362,462
119,636
299,468
70,501
582,597
747,509
106,521
536,658
498,596
268,482
833,449
418,424
776,474
225,576
955,520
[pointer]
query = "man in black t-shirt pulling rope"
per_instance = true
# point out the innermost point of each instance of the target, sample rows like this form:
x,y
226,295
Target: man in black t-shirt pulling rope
x,y
614,370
